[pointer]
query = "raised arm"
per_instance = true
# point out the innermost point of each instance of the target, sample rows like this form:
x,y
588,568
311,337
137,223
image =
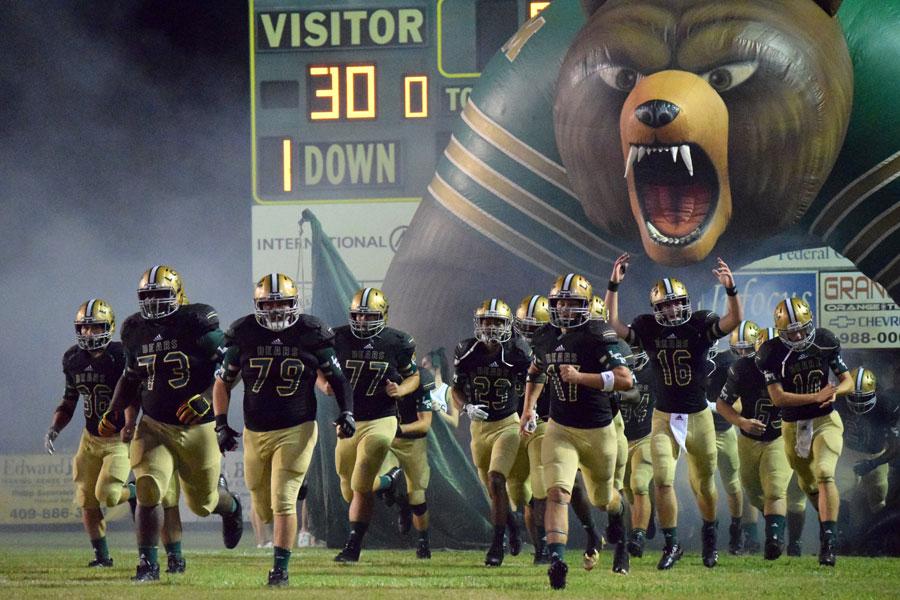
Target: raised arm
x,y
612,295
735,313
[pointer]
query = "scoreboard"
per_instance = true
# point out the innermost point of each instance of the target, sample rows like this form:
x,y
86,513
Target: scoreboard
x,y
352,104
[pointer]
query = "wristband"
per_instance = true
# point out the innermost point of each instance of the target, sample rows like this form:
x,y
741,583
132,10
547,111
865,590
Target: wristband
x,y
612,286
221,421
609,380
731,291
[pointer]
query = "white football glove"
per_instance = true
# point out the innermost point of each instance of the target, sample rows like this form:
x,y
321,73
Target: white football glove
x,y
51,436
531,425
712,406
439,405
476,412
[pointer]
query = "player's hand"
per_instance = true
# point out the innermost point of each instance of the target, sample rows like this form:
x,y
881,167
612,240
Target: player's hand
x,y
439,405
226,438
193,410
753,426
826,395
127,433
569,374
106,427
51,436
864,467
712,406
392,389
619,268
527,423
345,424
476,412
723,273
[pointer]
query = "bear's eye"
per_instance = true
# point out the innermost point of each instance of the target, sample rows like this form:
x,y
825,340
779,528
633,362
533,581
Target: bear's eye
x,y
620,78
726,77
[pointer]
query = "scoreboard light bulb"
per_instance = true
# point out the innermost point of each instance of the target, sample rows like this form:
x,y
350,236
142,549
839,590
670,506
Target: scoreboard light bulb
x,y
422,81
332,92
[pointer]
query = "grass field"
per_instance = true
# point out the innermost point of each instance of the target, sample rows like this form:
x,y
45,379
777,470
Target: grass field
x,y
50,565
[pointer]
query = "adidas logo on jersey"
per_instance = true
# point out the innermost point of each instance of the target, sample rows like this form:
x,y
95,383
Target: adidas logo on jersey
x,y
88,368
369,346
494,364
158,337
559,348
670,336
276,342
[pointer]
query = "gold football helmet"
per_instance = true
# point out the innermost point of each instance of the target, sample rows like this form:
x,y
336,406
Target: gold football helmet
x,y
160,292
94,312
368,312
493,321
532,313
743,338
575,292
670,302
794,322
277,302
764,335
599,311
862,399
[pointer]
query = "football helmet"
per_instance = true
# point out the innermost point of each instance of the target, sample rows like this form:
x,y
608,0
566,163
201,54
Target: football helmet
x,y
599,311
764,335
670,302
493,321
577,290
794,322
277,302
368,303
160,292
639,358
743,338
532,313
862,399
94,312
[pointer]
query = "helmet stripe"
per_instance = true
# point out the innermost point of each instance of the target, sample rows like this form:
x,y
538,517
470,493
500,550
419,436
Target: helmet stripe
x,y
493,304
741,331
859,379
152,278
668,285
90,308
568,282
531,306
274,281
364,301
789,304
771,333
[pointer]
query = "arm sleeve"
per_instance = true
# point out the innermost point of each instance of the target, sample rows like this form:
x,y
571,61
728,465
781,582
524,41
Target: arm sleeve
x,y
406,361
762,363
612,358
213,344
711,327
70,396
331,368
730,392
836,362
633,336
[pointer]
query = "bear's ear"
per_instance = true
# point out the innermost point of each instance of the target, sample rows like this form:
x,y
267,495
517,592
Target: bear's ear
x,y
590,6
829,6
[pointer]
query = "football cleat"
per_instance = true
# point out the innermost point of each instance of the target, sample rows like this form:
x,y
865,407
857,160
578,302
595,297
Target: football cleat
x,y
710,553
146,571
350,553
735,539
590,558
389,493
621,562
795,548
278,576
95,323
101,563
175,564
277,302
671,555
423,550
636,543
774,547
827,556
494,556
557,573
233,522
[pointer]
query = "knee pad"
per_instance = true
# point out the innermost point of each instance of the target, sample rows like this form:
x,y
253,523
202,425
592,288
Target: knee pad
x,y
419,509
148,492
110,495
417,497
199,506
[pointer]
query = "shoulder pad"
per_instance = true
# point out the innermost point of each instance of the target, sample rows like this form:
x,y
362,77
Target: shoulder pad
x,y
131,324
399,338
703,316
69,356
238,328
314,329
116,350
623,348
642,322
765,352
604,330
203,315
826,339
463,348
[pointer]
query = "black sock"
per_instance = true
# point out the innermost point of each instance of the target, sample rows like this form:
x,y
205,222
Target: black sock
x,y
499,530
827,531
358,531
282,557
101,550
423,536
671,536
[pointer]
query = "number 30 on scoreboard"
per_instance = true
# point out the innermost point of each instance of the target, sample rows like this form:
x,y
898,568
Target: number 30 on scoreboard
x,y
349,92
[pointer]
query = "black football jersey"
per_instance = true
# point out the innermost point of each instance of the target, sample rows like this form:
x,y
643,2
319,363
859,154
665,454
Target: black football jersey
x,y
802,372
93,379
489,378
370,363
411,405
279,370
746,382
592,348
868,432
541,408
719,366
638,416
174,357
680,356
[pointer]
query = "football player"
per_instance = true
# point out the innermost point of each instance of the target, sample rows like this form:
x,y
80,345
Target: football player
x,y
488,368
677,341
532,313
172,350
575,357
637,417
92,368
867,422
727,460
278,352
764,469
796,366
373,355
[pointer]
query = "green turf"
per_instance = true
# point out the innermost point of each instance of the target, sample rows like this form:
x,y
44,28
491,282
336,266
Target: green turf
x,y
50,565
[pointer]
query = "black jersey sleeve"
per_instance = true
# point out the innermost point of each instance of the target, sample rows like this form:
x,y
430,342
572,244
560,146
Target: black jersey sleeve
x,y
406,354
831,346
460,376
70,393
730,391
316,334
520,355
765,362
711,327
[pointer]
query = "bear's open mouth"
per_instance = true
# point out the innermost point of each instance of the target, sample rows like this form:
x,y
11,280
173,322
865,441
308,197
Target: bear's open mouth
x,y
677,189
